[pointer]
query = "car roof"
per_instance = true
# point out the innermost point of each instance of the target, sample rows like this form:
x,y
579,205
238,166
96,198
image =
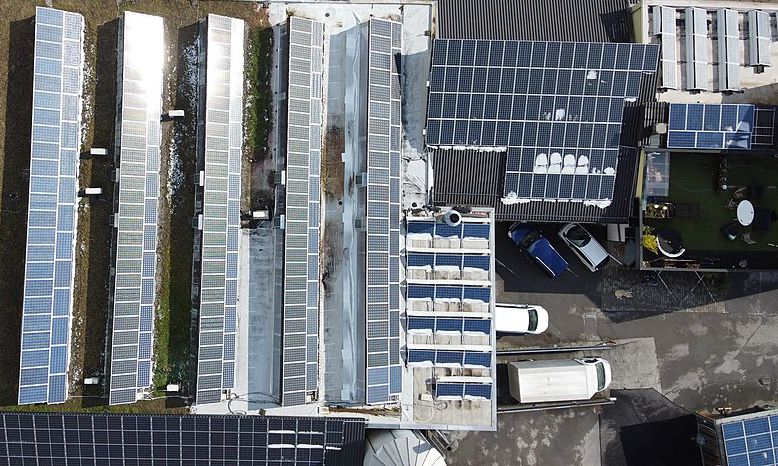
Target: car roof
x,y
594,251
543,251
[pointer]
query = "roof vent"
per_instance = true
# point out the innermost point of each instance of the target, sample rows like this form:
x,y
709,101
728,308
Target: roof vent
x,y
452,218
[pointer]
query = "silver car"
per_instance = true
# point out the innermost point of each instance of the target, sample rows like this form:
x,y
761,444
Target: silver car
x,y
584,246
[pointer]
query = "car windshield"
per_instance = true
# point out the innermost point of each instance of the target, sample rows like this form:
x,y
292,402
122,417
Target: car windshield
x,y
600,376
578,236
533,320
531,237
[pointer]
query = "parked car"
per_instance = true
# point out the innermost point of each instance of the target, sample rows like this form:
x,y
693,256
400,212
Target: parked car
x,y
529,239
583,244
558,380
520,318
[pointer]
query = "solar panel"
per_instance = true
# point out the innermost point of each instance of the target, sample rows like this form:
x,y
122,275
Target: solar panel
x,y
710,126
449,324
301,259
696,49
728,49
384,377
53,202
664,27
459,390
77,439
750,441
555,107
449,358
759,38
138,139
221,207
764,127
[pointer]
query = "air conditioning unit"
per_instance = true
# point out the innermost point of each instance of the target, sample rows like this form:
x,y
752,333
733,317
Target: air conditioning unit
x,y
280,177
201,178
280,222
98,151
360,223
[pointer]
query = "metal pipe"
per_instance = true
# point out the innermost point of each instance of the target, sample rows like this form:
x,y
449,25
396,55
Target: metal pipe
x,y
545,407
556,349
438,440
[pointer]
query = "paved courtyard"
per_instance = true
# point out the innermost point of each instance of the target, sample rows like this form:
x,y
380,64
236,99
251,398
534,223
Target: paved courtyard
x,y
715,344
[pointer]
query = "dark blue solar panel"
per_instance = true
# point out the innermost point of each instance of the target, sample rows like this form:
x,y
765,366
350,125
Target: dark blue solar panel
x,y
139,439
479,390
478,325
449,389
448,325
421,227
478,359
542,97
421,323
449,357
750,441
421,356
710,126
420,259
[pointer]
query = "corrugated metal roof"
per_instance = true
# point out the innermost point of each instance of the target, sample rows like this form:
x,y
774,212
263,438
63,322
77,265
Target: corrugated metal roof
x,y
548,20
474,178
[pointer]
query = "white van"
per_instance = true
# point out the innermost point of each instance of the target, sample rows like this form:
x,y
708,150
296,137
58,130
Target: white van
x,y
558,380
520,318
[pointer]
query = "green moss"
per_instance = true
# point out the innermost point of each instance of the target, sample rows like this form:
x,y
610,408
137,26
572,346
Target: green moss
x,y
257,69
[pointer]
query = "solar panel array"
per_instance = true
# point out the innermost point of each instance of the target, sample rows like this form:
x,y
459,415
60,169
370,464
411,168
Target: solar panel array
x,y
710,126
697,49
98,439
463,261
751,442
384,372
759,38
301,259
138,139
221,207
450,358
433,292
51,225
463,390
664,27
729,49
556,107
449,324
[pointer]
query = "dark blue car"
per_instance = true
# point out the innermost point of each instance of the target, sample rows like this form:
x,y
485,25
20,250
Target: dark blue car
x,y
528,238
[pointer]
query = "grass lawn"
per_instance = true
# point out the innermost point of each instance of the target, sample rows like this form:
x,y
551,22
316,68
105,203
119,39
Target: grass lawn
x,y
692,178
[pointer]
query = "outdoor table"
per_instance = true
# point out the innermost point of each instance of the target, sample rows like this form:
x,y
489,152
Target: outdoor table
x,y
745,213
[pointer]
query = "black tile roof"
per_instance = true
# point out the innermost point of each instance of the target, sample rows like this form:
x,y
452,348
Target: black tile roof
x,y
546,20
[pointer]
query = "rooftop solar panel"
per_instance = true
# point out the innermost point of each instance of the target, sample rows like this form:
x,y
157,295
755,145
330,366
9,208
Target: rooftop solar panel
x,y
759,38
555,107
301,259
138,140
383,212
750,441
221,207
51,225
78,439
710,126
463,390
697,60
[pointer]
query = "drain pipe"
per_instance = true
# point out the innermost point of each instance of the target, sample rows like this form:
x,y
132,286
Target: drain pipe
x,y
439,440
